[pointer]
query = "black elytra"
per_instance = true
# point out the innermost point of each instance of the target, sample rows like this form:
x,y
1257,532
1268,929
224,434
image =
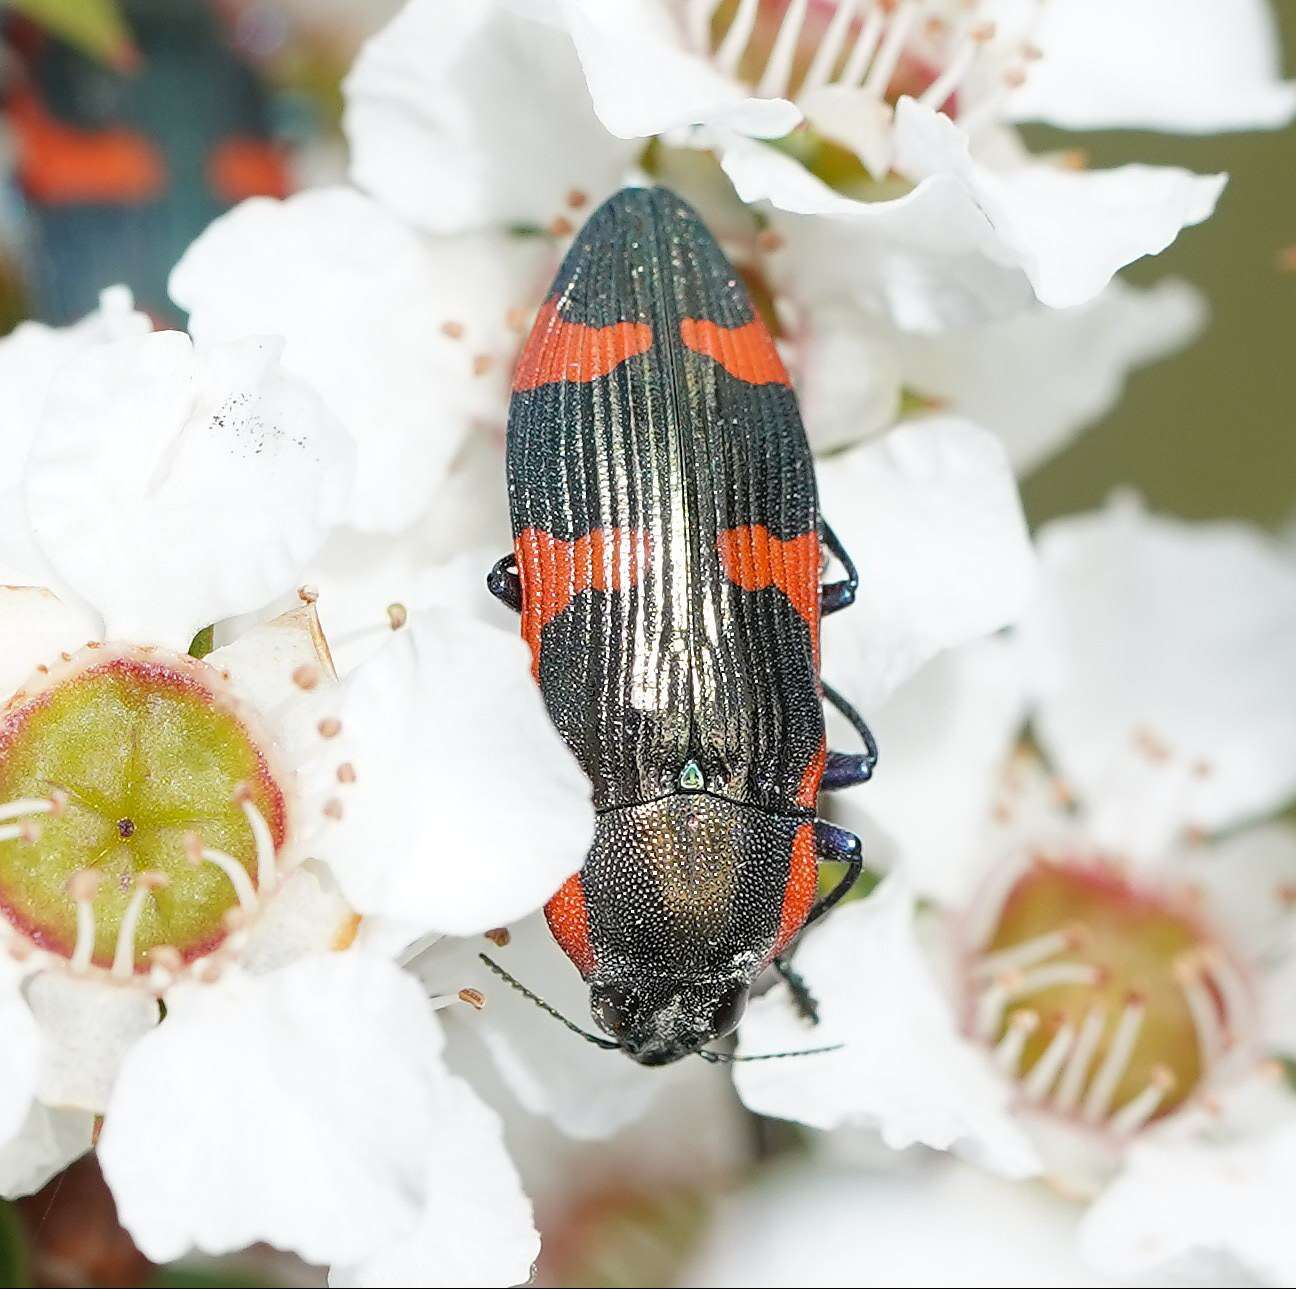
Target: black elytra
x,y
667,564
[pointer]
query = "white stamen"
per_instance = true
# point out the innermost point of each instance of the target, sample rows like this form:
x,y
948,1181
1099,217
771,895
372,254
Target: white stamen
x,y
989,1010
26,830
888,56
1201,1007
1114,1064
699,24
1008,1053
1056,973
470,997
265,849
778,67
1025,954
830,46
955,70
1137,1111
1077,1066
865,44
83,888
25,806
237,874
1040,1080
123,963
988,904
1230,983
736,38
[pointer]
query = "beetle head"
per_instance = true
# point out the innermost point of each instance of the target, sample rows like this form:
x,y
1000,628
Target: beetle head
x,y
657,1022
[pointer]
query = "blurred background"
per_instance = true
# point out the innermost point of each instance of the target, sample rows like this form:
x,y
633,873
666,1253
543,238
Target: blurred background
x,y
129,124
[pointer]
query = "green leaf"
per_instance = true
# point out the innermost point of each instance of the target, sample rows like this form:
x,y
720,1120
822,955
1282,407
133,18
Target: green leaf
x,y
203,643
13,1249
95,27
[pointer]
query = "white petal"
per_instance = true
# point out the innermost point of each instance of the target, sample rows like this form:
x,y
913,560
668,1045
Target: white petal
x,y
969,241
307,914
261,660
588,1092
31,355
87,1028
29,358
920,260
303,1108
847,376
1184,1198
902,1066
927,1222
462,115
46,1144
1247,880
173,487
35,627
361,302
943,740
1068,231
931,516
476,1227
20,1068
1105,64
1038,378
468,811
1184,631
643,81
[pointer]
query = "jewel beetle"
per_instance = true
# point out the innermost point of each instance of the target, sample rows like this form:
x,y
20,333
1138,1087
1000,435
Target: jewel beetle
x,y
667,566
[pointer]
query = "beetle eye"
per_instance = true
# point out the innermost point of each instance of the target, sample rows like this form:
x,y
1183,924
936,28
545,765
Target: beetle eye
x,y
729,1011
611,1009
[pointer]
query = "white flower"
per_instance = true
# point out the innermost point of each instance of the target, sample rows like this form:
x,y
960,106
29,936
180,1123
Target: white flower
x,y
1126,982
922,92
205,834
408,340
462,116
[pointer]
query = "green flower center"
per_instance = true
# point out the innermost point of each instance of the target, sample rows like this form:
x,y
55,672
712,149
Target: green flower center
x,y
1109,1001
139,810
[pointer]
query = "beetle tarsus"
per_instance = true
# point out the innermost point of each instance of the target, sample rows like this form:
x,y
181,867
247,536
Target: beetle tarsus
x,y
845,770
835,596
504,584
802,999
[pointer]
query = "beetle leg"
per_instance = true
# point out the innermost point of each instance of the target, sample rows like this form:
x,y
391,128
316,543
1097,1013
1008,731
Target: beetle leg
x,y
845,769
837,595
832,845
836,845
802,999
504,584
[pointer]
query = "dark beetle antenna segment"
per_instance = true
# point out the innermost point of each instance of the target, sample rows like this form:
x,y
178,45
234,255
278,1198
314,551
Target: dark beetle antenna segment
x,y
605,1043
724,1058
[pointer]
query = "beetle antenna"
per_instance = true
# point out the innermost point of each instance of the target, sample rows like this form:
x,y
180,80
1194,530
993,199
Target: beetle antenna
x,y
605,1043
727,1058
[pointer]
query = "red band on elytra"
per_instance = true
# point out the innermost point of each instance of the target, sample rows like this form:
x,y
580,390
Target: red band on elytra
x,y
554,570
747,352
754,559
561,350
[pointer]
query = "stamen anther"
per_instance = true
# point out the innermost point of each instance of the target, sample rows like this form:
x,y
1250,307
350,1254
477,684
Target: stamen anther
x,y
329,727
473,997
397,615
306,676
